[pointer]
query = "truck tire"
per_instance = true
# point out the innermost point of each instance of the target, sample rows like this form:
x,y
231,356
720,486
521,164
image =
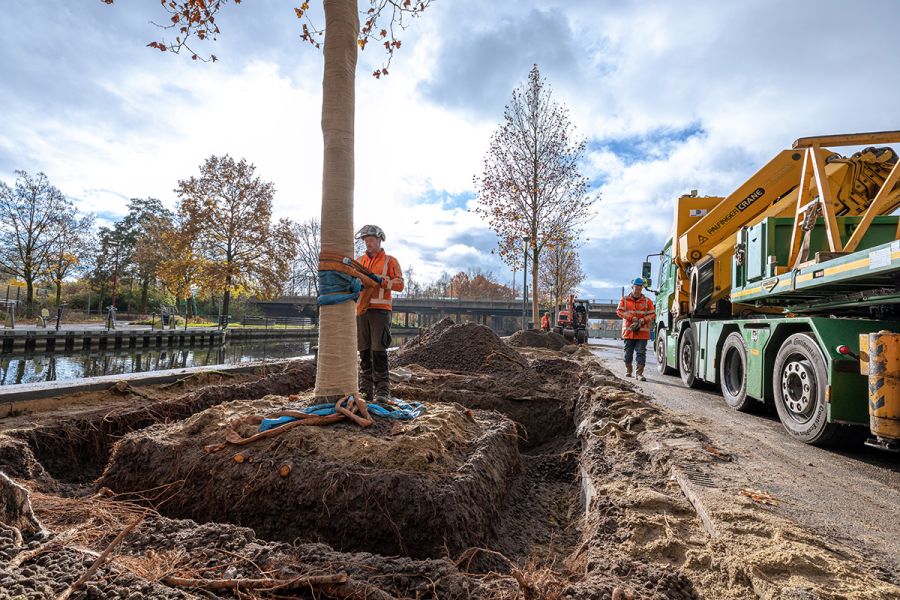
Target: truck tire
x,y
733,374
687,354
800,379
659,346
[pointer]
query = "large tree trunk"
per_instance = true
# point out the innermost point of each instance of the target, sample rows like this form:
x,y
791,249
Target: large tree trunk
x,y
226,296
535,307
58,292
336,371
145,285
29,297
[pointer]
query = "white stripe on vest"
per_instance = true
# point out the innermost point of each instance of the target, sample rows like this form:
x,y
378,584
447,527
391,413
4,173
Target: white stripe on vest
x,y
380,299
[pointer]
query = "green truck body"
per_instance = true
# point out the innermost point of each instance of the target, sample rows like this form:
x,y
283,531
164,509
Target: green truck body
x,y
824,308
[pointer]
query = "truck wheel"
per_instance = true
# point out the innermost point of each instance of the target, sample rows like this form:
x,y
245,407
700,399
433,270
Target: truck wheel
x,y
800,378
660,345
687,353
733,374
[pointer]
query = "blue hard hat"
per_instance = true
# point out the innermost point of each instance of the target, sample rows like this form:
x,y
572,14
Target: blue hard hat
x,y
638,281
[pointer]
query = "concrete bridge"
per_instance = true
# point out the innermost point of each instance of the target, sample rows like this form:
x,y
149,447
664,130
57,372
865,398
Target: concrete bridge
x,y
500,315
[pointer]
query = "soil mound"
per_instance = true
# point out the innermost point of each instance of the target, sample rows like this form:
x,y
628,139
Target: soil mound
x,y
534,338
464,348
420,488
75,449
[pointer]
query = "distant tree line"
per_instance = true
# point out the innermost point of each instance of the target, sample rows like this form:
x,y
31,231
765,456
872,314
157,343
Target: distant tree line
x,y
220,245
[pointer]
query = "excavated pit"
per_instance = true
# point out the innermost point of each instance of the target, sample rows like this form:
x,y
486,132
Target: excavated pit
x,y
421,488
493,465
75,449
451,479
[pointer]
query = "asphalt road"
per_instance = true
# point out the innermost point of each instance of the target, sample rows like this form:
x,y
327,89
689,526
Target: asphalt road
x,y
851,496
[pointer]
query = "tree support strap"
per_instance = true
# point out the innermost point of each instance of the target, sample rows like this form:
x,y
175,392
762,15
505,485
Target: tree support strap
x,y
341,279
349,407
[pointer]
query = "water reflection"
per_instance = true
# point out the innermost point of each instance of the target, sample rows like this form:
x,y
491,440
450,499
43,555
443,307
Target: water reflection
x,y
57,366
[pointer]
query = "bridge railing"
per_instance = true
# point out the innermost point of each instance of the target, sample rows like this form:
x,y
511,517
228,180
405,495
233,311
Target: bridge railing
x,y
278,322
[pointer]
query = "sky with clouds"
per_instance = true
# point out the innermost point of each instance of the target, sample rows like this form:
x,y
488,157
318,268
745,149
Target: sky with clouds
x,y
671,96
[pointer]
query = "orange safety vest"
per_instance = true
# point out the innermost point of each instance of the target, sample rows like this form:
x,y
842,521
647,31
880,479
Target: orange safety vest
x,y
388,268
632,309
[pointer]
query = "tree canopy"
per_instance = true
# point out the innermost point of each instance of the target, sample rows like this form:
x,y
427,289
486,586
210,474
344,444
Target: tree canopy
x,y
531,190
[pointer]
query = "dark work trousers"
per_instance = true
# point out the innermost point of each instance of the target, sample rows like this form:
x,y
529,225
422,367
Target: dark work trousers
x,y
373,337
638,347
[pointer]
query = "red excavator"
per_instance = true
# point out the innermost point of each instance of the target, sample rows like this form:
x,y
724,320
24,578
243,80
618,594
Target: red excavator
x,y
571,321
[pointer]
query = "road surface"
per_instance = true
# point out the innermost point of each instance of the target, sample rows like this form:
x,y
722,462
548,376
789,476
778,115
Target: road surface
x,y
851,496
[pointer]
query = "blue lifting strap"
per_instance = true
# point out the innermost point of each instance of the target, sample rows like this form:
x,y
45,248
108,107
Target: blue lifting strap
x,y
336,287
398,409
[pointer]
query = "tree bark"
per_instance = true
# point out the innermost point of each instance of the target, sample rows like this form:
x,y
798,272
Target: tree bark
x,y
337,369
29,296
226,296
535,307
145,285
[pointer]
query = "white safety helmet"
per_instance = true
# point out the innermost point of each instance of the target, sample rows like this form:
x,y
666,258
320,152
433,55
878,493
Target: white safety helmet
x,y
368,230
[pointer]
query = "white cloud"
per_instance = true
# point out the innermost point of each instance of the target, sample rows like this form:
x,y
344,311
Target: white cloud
x,y
113,120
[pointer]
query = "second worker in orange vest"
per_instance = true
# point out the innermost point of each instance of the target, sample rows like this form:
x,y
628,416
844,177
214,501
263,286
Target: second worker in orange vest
x,y
373,316
637,313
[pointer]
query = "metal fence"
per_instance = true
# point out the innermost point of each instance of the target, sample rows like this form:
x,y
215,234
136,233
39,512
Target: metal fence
x,y
279,322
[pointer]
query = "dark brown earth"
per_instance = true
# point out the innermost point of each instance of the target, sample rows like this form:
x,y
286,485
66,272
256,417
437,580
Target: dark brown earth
x,y
422,489
592,511
74,449
535,338
463,348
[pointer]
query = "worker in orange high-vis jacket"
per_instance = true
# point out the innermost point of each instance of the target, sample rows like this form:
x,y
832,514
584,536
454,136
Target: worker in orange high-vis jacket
x,y
545,322
638,314
373,316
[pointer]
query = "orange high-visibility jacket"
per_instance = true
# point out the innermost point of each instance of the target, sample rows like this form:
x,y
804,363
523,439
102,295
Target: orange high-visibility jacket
x,y
633,309
389,269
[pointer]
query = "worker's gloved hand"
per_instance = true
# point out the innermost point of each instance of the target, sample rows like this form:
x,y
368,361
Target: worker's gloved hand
x,y
635,326
386,283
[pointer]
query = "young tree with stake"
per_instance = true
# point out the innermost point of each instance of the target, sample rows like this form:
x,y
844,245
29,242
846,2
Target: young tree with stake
x,y
531,187
337,372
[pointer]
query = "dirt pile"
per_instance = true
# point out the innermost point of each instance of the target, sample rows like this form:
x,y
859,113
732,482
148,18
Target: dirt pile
x,y
174,559
75,449
535,338
418,488
464,348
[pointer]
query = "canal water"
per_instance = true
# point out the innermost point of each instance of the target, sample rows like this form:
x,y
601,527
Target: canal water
x,y
59,366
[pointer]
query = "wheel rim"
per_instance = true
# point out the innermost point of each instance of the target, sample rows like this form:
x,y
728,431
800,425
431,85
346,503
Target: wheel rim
x,y
661,350
799,388
687,357
733,372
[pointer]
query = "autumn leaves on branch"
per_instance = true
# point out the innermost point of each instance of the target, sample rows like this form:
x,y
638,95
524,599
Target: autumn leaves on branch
x,y
531,190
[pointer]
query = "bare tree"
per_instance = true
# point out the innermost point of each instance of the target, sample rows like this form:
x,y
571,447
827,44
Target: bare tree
x,y
560,271
30,213
336,371
531,190
308,235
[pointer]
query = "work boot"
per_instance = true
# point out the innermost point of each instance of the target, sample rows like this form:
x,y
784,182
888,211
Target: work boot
x,y
366,380
627,369
381,376
639,374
